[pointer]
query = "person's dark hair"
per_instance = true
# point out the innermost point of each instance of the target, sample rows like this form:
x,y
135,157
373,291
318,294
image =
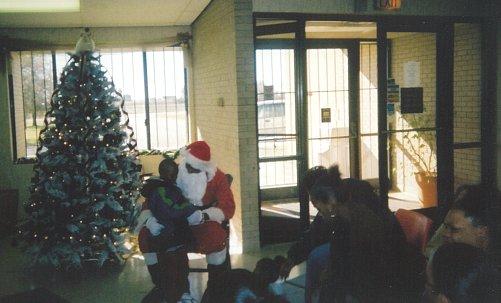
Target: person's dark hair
x,y
267,271
326,185
482,206
167,169
312,176
463,273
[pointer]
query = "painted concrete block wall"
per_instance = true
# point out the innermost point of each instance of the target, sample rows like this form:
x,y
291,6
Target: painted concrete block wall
x,y
467,102
413,47
424,8
247,128
223,101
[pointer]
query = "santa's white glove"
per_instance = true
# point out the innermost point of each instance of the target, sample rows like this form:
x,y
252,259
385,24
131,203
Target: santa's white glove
x,y
154,227
195,218
215,214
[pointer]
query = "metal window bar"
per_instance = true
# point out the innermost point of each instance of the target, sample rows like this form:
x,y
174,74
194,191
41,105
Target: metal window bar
x,y
276,148
146,100
34,96
165,97
24,154
134,99
114,60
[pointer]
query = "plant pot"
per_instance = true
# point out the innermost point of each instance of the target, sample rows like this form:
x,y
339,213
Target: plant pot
x,y
427,188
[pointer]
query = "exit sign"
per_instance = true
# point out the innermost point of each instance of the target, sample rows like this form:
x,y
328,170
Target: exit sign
x,y
388,4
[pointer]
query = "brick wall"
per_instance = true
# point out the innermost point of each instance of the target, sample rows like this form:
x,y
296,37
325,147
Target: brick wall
x,y
467,88
224,105
467,107
419,47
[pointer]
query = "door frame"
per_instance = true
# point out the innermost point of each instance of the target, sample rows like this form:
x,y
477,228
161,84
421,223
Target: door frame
x,y
444,27
444,101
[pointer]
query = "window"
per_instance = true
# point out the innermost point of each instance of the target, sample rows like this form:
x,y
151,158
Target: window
x,y
161,122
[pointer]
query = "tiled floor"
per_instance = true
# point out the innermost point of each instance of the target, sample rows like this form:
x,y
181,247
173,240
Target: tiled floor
x,y
126,284
288,208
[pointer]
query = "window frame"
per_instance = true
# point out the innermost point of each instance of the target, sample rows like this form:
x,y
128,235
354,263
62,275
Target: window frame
x,y
17,159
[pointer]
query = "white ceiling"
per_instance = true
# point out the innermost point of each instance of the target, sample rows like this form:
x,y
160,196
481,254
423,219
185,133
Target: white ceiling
x,y
111,13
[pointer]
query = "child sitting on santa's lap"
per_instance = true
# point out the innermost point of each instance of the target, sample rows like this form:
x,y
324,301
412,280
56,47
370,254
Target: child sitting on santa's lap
x,y
165,236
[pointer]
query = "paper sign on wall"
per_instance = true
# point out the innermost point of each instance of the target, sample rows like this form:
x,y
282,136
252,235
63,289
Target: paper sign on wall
x,y
412,74
412,100
326,115
393,91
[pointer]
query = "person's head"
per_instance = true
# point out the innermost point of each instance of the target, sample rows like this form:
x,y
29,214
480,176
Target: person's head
x,y
473,217
267,273
461,273
324,197
312,175
168,170
195,170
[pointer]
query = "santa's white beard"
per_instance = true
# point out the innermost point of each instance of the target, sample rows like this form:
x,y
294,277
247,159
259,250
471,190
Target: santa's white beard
x,y
192,185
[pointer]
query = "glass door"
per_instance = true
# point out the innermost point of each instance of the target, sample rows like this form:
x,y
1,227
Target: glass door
x,y
332,106
276,102
408,126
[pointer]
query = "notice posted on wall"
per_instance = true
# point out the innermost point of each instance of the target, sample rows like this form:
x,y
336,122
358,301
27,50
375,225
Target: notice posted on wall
x,y
392,92
412,100
326,115
412,74
390,108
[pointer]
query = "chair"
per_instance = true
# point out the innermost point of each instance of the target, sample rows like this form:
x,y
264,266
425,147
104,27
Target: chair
x,y
416,227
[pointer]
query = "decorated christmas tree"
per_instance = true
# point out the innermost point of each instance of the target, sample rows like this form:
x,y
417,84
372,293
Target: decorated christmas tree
x,y
86,177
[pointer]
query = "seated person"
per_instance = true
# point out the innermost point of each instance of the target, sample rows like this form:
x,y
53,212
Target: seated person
x,y
363,258
315,243
166,235
473,219
461,273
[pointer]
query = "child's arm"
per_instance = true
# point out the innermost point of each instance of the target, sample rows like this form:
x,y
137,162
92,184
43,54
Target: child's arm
x,y
171,204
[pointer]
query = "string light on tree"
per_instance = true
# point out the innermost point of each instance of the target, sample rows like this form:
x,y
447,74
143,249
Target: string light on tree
x,y
69,171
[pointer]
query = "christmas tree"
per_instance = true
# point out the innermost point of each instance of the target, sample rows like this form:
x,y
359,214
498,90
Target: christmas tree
x,y
86,177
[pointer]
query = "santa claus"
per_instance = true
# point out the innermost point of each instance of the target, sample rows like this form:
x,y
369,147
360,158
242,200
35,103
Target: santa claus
x,y
207,187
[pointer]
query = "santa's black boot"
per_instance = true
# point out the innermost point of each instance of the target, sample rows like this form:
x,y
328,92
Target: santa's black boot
x,y
156,294
216,282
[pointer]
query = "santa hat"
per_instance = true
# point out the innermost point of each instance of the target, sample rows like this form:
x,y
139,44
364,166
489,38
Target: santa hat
x,y
197,154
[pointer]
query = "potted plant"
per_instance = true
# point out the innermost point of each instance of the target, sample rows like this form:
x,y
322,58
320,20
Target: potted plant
x,y
420,146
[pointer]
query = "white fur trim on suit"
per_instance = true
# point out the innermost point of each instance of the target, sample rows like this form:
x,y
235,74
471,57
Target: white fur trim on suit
x,y
215,214
195,218
205,166
141,220
150,258
216,258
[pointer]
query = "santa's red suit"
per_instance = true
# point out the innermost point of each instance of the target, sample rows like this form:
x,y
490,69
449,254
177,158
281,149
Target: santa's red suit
x,y
210,235
206,187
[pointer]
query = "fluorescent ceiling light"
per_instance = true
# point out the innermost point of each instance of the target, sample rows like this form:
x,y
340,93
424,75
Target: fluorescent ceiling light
x,y
39,6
